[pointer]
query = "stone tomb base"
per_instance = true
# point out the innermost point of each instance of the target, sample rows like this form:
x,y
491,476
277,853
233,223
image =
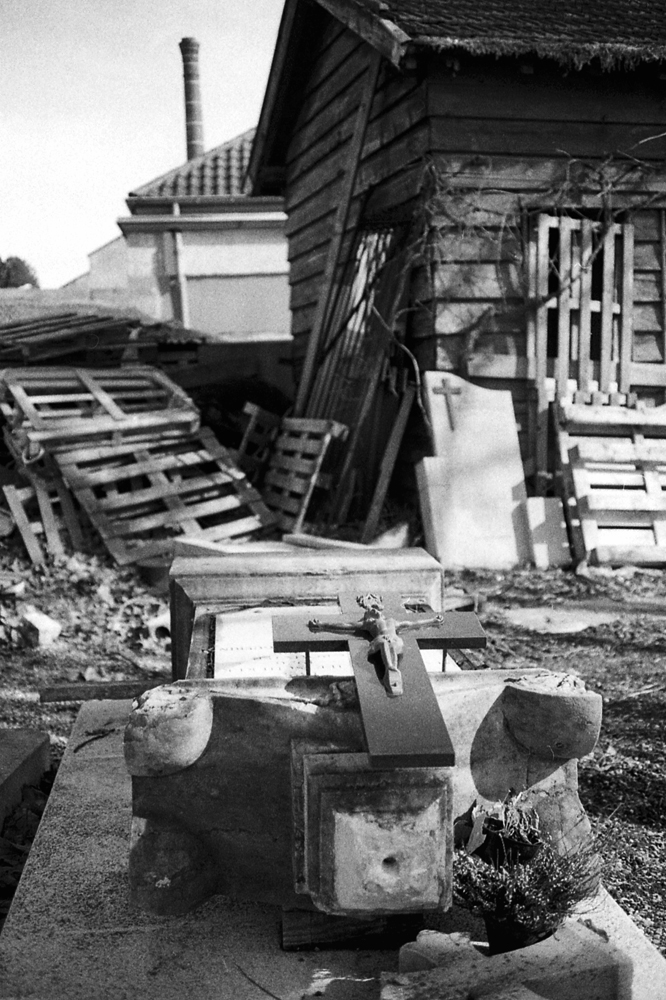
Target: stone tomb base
x,y
72,933
221,770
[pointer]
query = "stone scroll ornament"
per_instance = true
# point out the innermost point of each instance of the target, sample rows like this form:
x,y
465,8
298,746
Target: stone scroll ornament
x,y
384,637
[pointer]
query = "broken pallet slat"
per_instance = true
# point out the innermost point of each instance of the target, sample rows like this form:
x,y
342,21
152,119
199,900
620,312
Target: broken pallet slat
x,y
15,499
34,508
53,540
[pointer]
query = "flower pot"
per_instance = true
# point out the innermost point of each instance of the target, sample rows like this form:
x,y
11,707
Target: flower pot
x,y
499,850
506,935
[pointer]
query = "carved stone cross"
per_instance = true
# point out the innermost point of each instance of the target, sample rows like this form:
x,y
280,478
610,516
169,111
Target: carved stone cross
x,y
404,731
447,390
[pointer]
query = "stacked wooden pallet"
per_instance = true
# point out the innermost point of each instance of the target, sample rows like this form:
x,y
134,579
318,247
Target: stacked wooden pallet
x,y
56,408
613,462
128,445
96,339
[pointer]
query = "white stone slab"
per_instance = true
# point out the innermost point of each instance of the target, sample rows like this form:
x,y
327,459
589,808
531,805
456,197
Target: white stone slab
x,y
472,491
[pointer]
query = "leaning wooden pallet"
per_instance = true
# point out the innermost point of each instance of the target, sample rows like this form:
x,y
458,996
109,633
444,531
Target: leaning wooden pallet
x,y
295,467
141,498
613,462
57,407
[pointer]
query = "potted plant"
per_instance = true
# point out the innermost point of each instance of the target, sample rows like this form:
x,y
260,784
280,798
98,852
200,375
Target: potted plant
x,y
505,872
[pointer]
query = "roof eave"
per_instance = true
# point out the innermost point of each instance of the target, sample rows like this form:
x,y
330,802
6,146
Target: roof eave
x,y
221,202
609,55
381,33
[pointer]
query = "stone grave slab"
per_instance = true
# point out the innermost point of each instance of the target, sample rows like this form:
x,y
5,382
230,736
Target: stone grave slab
x,y
241,580
72,932
472,491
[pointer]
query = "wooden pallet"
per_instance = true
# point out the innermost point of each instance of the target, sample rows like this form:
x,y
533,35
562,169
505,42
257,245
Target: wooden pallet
x,y
613,462
58,407
140,498
45,517
260,432
295,467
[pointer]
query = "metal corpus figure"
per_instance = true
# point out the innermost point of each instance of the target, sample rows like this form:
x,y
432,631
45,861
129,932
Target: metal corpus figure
x,y
384,636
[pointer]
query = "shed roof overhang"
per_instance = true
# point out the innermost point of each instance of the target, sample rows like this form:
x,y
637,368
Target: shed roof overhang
x,y
300,19
618,36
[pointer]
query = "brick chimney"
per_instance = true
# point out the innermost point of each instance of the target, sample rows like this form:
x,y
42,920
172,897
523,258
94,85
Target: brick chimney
x,y
189,48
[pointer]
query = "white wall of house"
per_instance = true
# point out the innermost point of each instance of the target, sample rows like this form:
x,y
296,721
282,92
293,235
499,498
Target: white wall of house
x,y
233,275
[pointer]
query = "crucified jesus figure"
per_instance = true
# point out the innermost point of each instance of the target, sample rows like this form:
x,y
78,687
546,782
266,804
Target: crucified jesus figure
x,y
384,636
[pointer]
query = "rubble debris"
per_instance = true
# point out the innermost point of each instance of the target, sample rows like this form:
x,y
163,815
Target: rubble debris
x,y
38,629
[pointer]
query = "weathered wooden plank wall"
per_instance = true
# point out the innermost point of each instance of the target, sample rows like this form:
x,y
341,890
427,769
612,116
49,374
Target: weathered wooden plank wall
x,y
396,136
502,141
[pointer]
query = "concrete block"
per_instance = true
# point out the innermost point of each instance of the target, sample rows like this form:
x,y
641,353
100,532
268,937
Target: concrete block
x,y
24,757
38,629
577,962
432,949
549,541
374,841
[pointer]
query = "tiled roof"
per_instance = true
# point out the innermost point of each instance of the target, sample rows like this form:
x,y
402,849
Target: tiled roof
x,y
220,171
574,31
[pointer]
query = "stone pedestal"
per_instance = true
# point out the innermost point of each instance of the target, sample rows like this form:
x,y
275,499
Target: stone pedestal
x,y
263,790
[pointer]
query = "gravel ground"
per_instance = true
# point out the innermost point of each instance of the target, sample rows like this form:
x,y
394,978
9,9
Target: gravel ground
x,y
623,783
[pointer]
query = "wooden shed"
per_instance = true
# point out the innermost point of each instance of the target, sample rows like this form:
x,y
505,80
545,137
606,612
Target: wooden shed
x,y
475,187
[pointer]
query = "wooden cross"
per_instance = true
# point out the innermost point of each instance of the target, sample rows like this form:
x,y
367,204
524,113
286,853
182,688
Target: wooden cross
x,y
447,391
404,731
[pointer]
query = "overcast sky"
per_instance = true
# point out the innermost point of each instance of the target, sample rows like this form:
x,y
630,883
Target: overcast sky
x,y
91,98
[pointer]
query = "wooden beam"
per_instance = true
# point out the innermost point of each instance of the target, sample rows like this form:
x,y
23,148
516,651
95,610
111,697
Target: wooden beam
x,y
585,324
339,228
608,292
98,690
388,464
383,35
541,355
564,310
627,314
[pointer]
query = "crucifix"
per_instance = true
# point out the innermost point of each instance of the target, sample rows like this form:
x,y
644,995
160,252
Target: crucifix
x,y
402,722
447,391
